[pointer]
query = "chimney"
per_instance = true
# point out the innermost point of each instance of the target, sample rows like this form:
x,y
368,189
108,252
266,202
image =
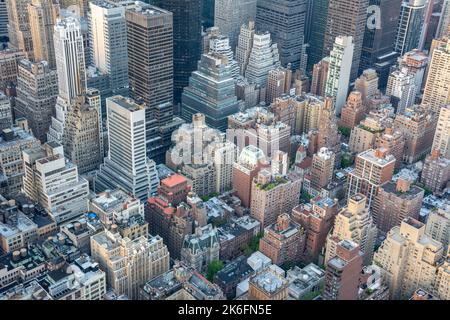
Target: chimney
x,y
282,222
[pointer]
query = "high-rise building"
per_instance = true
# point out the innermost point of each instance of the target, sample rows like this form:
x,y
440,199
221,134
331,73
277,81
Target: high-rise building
x,y
108,42
220,44
442,283
318,14
436,172
378,45
373,168
5,112
438,226
395,201
245,44
37,89
3,19
187,40
127,165
283,242
285,20
320,76
19,31
343,271
437,87
441,140
42,16
415,62
128,263
268,284
444,21
278,83
402,89
272,196
317,219
420,259
82,138
150,41
54,183
346,18
367,84
12,142
211,92
394,142
339,73
353,223
230,15
417,124
322,169
354,110
365,135
409,30
9,61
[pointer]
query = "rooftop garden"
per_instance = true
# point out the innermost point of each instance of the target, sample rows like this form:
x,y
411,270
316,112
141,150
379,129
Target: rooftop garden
x,y
272,184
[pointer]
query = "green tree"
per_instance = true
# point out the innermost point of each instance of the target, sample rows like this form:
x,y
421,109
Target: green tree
x,y
345,131
214,267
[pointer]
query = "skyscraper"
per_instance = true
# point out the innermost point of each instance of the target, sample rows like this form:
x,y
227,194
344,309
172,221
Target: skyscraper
x,y
108,42
441,140
211,92
401,87
285,20
346,18
3,19
37,89
19,30
319,13
127,166
230,15
322,169
412,14
340,68
42,16
245,44
186,40
444,21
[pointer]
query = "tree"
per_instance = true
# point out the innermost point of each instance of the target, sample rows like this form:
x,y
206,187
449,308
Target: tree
x,y
345,131
214,267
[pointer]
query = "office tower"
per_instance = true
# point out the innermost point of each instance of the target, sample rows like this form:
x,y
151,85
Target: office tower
x,y
278,83
208,8
441,140
394,142
13,141
444,21
319,14
395,201
211,92
70,63
108,42
263,58
54,182
436,172
412,15
346,18
317,219
221,45
320,76
378,45
9,60
5,112
201,248
418,265
285,109
354,110
364,135
129,264
343,272
285,20
418,125
37,89
437,86
355,223
438,226
268,284
272,196
168,215
402,89
340,69
230,15
328,135
42,16
3,19
82,138
367,84
283,242
368,182
245,44
245,169
186,40
127,165
19,31
415,62
322,169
